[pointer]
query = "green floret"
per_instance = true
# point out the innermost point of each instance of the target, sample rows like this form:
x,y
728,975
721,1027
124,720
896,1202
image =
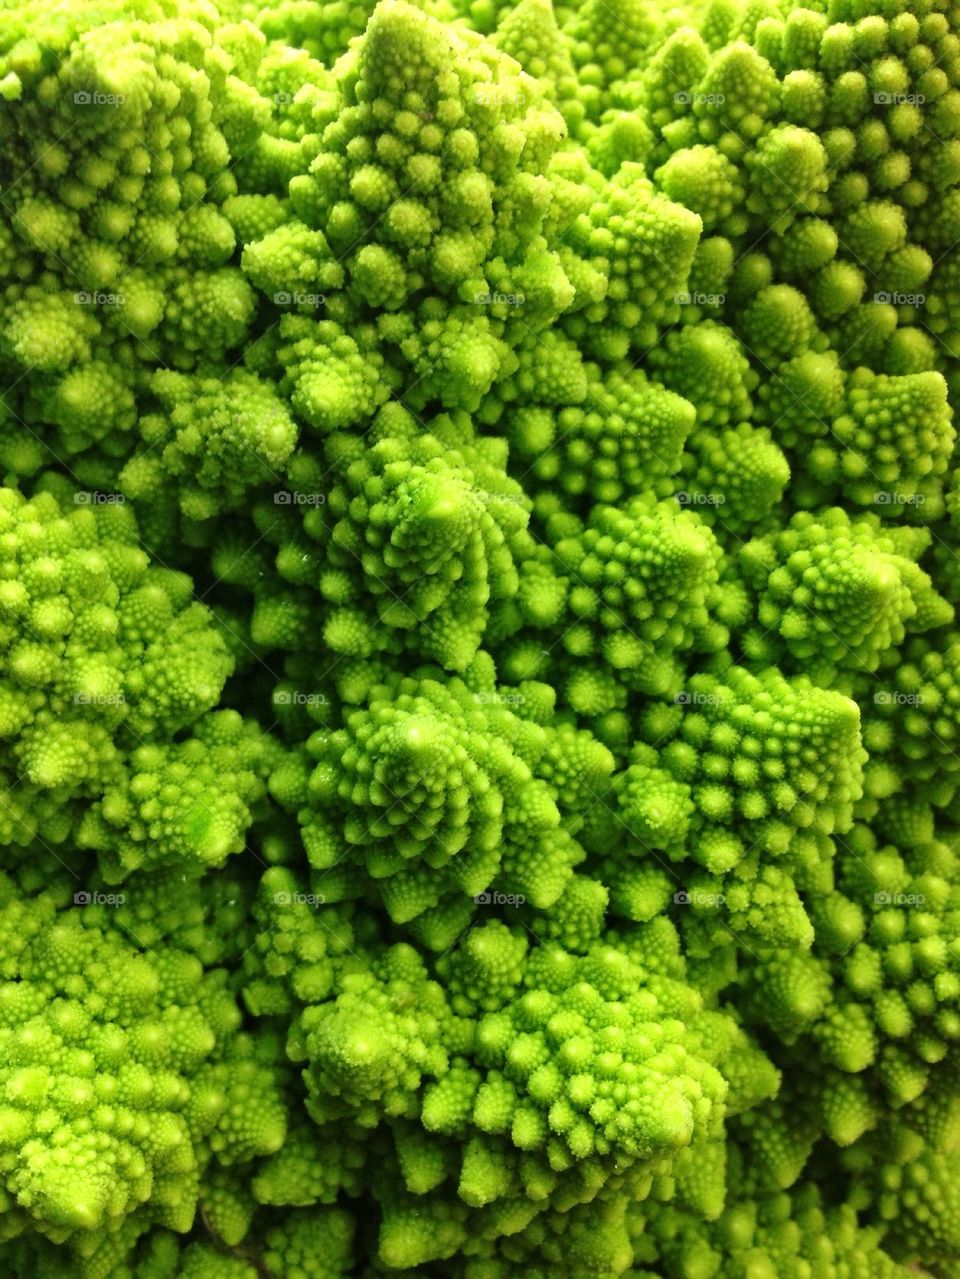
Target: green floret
x,y
627,432
106,1053
313,1166
787,170
100,650
324,34
550,1092
910,721
621,137
423,786
642,578
644,245
529,33
439,192
771,1234
607,41
912,1178
295,951
331,380
895,437
312,1245
706,364
778,325
117,156
802,401
828,127
704,180
744,771
291,260
735,478
215,924
879,992
421,532
593,1238
191,803
839,592
214,440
